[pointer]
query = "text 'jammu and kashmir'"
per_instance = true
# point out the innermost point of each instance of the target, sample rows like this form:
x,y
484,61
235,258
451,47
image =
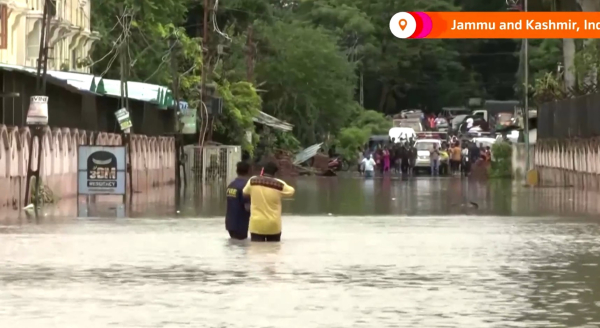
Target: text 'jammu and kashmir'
x,y
530,24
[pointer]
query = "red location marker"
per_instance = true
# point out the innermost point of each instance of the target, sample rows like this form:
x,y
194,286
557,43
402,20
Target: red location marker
x,y
402,24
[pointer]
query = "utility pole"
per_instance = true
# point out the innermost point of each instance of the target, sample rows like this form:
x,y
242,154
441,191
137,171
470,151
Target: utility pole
x,y
526,114
250,55
205,72
124,67
37,106
176,113
362,93
41,57
48,5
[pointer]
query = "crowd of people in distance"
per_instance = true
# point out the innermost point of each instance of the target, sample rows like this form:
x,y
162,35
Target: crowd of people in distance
x,y
463,155
394,157
401,157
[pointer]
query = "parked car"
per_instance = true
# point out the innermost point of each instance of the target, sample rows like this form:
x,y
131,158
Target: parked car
x,y
399,134
413,123
456,122
442,124
423,162
484,141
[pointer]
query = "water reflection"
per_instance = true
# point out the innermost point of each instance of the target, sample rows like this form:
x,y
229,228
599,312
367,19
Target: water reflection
x,y
420,196
355,253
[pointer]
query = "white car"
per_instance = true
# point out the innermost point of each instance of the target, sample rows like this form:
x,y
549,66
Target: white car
x,y
485,141
424,146
402,134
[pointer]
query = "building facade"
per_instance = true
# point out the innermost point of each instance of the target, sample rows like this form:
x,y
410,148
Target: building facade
x,y
71,38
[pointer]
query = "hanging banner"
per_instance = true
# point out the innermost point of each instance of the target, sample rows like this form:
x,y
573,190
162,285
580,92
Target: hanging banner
x,y
188,121
122,116
101,170
38,111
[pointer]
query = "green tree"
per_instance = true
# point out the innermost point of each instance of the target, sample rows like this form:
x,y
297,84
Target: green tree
x,y
308,80
241,104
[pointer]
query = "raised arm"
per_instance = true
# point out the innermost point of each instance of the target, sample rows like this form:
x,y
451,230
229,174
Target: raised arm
x,y
247,187
288,191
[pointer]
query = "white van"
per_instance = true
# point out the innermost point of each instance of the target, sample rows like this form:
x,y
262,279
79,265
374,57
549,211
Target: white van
x,y
402,134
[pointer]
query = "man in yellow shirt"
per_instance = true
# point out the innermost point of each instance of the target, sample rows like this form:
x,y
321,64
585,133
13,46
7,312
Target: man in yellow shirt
x,y
265,209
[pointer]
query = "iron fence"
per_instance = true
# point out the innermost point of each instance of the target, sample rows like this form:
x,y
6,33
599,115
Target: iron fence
x,y
210,164
569,118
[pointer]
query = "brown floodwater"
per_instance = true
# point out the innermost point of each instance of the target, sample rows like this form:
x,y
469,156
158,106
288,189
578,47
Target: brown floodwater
x,y
355,253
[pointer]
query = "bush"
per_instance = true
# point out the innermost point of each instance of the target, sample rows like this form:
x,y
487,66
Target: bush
x,y
501,160
349,141
358,131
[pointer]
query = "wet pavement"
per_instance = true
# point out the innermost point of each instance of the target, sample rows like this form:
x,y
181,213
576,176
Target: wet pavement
x,y
380,253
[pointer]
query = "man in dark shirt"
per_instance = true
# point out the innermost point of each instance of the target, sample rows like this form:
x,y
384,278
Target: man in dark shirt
x,y
474,153
238,205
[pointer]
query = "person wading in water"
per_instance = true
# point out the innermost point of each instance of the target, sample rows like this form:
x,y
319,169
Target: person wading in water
x,y
237,217
405,159
265,209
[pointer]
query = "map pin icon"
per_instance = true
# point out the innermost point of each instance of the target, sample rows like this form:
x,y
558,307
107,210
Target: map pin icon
x,y
402,24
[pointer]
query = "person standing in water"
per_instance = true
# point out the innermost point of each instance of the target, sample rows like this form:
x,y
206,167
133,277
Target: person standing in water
x,y
434,156
237,217
359,158
369,164
266,193
386,160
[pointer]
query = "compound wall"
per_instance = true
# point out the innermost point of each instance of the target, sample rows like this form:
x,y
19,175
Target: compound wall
x,y
152,161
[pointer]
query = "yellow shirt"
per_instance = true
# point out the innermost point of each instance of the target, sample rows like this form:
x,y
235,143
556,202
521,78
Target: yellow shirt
x,y
265,203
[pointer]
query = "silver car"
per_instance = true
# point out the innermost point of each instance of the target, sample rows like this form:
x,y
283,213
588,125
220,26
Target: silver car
x,y
441,124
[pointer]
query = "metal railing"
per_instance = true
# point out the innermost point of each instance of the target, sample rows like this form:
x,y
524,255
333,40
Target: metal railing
x,y
211,164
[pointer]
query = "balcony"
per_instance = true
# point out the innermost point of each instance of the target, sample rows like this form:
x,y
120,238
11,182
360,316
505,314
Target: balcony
x,y
70,36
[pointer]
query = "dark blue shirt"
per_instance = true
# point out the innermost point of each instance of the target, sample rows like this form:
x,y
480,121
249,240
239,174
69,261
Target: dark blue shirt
x,y
237,217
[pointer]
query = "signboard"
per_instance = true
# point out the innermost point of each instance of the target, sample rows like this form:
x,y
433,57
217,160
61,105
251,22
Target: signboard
x,y
38,111
187,119
122,116
102,170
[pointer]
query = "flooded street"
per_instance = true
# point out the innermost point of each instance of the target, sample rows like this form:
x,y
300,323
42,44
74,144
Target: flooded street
x,y
354,253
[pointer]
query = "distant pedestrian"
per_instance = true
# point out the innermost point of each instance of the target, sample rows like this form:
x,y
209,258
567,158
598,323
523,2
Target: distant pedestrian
x,y
359,158
386,160
369,165
237,217
455,158
434,156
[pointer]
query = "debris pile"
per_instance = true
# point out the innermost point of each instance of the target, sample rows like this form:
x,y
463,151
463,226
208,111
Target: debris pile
x,y
307,162
283,160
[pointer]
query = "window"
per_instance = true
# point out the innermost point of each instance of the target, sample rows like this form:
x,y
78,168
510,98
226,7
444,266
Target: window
x,y
3,27
426,145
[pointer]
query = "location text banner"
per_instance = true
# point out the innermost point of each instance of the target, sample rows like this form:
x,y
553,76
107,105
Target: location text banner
x,y
496,25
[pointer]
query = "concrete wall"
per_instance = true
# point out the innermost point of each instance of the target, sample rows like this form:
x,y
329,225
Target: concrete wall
x,y
519,160
569,163
152,161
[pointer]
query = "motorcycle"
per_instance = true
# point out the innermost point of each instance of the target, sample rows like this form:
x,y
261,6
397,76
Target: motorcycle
x,y
337,164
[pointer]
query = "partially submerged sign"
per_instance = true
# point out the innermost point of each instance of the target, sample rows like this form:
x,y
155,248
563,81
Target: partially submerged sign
x,y
38,111
124,120
101,170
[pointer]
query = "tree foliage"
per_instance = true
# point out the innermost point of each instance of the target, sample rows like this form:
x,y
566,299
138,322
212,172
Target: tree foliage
x,y
310,58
